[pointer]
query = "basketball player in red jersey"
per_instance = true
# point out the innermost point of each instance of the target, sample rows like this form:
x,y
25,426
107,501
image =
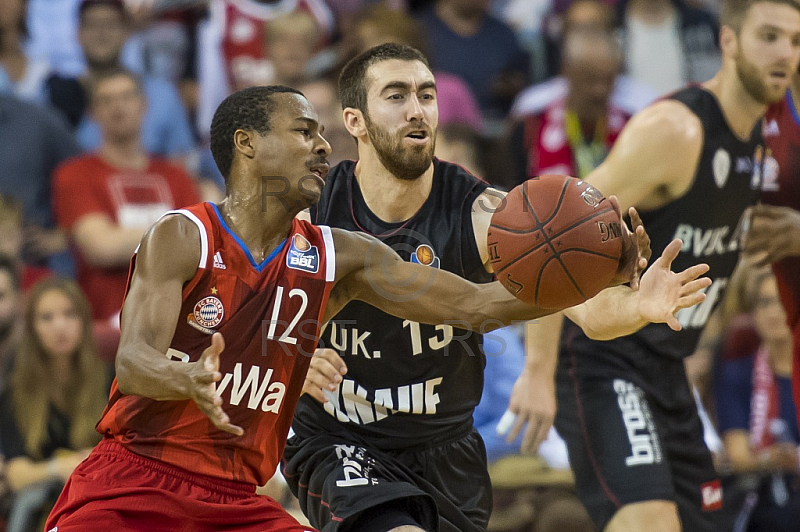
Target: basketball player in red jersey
x,y
190,430
775,233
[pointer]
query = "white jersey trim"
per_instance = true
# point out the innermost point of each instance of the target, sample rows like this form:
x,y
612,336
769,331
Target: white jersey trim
x,y
203,234
330,254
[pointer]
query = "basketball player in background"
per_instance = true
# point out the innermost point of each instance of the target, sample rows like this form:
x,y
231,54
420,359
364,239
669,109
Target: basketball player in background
x,y
774,235
691,164
185,444
394,446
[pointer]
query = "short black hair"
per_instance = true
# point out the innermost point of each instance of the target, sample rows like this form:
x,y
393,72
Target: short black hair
x,y
247,109
11,266
352,80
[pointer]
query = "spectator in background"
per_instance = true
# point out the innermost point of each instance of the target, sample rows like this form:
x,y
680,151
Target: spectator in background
x,y
582,15
668,44
544,501
757,417
459,143
231,46
11,243
483,51
573,135
106,200
291,41
103,30
57,392
33,141
19,75
10,316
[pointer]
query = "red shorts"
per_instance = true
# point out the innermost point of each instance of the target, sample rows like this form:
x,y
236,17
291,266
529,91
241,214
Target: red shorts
x,y
115,489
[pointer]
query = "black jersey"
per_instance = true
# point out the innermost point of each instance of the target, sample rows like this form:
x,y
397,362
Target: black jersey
x,y
406,383
709,219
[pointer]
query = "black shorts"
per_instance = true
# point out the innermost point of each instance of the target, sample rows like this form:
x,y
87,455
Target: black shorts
x,y
634,435
336,478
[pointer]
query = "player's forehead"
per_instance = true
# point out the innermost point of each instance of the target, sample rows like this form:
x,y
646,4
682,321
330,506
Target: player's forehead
x,y
772,15
397,73
291,107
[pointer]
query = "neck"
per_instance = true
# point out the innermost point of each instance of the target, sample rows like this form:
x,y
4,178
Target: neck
x,y
261,223
779,352
390,198
741,111
465,25
125,154
651,11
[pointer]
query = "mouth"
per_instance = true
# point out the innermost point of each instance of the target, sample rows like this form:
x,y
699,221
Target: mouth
x,y
418,136
320,170
780,76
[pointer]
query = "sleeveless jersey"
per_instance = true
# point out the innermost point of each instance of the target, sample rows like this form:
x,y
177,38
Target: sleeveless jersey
x,y
782,187
269,315
709,220
406,383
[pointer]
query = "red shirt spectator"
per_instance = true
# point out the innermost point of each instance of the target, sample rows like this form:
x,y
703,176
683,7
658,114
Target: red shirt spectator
x,y
130,198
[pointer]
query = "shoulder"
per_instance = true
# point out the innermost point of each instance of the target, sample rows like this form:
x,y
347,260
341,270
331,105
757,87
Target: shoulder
x,y
670,122
79,168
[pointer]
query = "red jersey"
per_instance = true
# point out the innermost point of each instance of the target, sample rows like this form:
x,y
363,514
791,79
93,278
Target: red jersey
x,y
130,198
781,186
244,46
269,315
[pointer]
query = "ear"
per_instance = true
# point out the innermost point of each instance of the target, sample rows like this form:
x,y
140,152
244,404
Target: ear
x,y
728,42
243,143
354,122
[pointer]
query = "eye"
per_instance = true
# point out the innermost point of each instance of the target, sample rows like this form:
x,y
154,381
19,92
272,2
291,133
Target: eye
x,y
395,96
769,36
306,132
428,96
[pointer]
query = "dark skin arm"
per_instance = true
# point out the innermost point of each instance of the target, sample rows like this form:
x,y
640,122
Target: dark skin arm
x,y
154,299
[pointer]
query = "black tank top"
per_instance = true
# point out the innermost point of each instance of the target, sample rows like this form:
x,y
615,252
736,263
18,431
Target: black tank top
x,y
708,218
407,383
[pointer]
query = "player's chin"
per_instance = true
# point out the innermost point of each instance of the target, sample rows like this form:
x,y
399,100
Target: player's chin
x,y
311,195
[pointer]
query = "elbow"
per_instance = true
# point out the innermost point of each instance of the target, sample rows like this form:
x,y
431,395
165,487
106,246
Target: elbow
x,y
597,334
124,374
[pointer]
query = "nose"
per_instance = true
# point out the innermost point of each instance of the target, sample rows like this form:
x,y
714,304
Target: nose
x,y
414,109
323,147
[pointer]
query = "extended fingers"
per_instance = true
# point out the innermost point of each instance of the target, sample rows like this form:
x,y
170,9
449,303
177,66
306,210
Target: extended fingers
x,y
695,286
693,272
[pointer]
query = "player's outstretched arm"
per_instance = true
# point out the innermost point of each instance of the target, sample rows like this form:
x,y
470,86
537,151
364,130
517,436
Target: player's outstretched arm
x,y
620,311
168,257
370,271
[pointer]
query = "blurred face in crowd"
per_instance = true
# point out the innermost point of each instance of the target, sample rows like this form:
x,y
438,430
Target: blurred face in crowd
x,y
57,324
767,50
590,15
590,65
768,312
102,34
290,46
118,106
9,303
12,12
470,8
402,116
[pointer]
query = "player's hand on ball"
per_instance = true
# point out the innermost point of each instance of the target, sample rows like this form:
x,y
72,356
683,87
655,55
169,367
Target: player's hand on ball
x,y
663,292
204,376
324,374
635,248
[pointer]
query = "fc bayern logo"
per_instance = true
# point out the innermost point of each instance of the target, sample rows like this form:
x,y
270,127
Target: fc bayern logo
x,y
208,312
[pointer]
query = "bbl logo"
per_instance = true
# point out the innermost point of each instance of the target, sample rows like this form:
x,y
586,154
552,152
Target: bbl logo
x,y
208,312
302,255
425,255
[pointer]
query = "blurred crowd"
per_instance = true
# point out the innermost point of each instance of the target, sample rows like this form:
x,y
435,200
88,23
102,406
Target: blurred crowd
x,y
105,111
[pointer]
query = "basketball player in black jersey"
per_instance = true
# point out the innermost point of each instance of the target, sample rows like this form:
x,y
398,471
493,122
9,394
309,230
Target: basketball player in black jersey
x,y
392,445
692,164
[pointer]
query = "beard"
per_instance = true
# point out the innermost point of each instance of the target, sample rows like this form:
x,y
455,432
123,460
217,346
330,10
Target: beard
x,y
752,82
403,161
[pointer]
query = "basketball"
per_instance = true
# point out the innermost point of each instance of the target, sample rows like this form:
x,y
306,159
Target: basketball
x,y
555,241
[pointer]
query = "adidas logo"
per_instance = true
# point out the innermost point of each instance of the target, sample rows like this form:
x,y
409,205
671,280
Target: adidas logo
x,y
218,261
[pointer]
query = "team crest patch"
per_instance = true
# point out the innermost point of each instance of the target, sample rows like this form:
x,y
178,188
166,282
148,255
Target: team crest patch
x,y
302,255
425,255
208,313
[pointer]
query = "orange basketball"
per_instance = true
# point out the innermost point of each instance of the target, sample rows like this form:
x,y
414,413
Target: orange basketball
x,y
555,241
